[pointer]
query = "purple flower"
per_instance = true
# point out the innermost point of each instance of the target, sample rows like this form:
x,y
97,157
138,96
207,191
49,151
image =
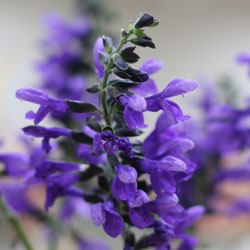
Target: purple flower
x,y
99,69
85,152
111,143
133,112
192,215
47,104
62,33
188,243
150,66
162,172
15,164
124,183
167,207
46,134
243,57
140,209
47,167
174,88
104,214
15,195
74,206
60,185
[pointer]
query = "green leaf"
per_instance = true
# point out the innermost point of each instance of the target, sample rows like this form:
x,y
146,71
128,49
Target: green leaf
x,y
93,123
129,56
103,183
128,133
139,33
114,92
113,160
92,197
104,58
143,42
108,44
120,63
122,84
81,107
93,89
144,21
90,172
80,137
156,22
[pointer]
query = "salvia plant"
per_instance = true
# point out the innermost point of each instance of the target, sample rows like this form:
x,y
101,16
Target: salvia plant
x,y
130,184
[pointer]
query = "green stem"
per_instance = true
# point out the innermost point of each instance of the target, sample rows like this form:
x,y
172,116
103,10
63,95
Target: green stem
x,y
15,225
107,71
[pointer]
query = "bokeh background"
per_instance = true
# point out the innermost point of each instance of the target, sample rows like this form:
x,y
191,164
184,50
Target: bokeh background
x,y
195,38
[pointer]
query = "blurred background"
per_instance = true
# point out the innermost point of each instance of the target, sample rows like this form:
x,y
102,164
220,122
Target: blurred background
x,y
194,39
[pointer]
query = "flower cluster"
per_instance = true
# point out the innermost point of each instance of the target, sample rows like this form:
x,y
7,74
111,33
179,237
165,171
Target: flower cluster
x,y
123,195
221,153
130,184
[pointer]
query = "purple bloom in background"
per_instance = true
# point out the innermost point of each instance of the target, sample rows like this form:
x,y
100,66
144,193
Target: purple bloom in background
x,y
111,143
133,112
47,104
99,69
74,206
15,195
104,214
62,33
15,164
244,58
174,88
150,66
92,245
124,183
46,134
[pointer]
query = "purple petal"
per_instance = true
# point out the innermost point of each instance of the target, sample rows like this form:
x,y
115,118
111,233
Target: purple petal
x,y
165,201
113,224
139,199
123,191
151,66
243,57
98,214
16,164
147,87
193,214
98,64
179,87
141,216
174,109
137,103
172,163
134,119
162,181
41,114
126,173
64,180
32,95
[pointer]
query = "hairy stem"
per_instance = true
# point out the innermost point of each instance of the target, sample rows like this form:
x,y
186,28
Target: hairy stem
x,y
108,71
17,227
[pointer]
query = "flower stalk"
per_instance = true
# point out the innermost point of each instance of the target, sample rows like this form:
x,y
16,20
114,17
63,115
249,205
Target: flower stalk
x,y
16,225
